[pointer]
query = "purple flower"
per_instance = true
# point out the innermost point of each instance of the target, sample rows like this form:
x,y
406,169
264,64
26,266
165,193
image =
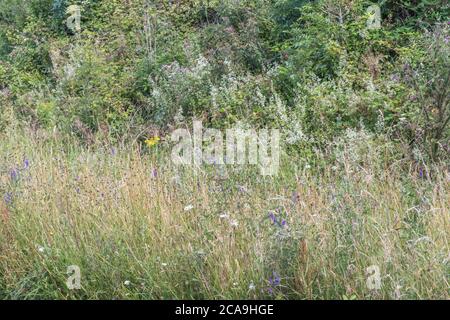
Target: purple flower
x,y
421,172
272,217
113,151
275,280
154,173
274,220
270,291
26,164
14,174
8,198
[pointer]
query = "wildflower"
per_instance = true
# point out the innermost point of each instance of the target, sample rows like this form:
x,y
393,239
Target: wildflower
x,y
164,264
252,286
201,253
234,223
127,282
152,141
113,151
421,172
397,292
8,198
275,280
283,223
272,217
224,216
243,189
14,174
154,173
26,164
40,249
176,180
189,207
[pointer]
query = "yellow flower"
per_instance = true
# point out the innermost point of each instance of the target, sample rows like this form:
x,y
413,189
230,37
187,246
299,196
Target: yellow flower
x,y
152,141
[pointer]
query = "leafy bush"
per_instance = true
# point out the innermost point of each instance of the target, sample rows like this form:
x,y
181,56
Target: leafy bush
x,y
309,67
428,126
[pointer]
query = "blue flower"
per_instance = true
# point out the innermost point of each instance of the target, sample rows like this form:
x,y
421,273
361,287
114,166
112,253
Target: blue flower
x,y
14,175
275,280
8,198
272,217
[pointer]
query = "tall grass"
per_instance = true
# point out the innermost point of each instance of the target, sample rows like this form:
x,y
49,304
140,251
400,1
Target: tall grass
x,y
138,227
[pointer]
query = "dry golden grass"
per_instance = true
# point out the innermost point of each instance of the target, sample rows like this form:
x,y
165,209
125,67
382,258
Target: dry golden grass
x,y
186,233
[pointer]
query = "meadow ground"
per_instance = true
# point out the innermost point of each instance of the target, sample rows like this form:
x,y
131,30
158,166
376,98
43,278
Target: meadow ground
x,y
138,227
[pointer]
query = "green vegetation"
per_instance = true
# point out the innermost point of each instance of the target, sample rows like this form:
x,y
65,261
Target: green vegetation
x,y
364,179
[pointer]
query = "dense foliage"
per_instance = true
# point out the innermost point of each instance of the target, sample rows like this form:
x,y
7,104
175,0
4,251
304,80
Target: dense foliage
x,y
309,67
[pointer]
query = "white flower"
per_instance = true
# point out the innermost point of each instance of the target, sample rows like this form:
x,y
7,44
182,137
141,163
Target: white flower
x,y
189,207
176,180
224,216
397,292
41,249
200,253
234,223
243,189
164,264
251,286
127,282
